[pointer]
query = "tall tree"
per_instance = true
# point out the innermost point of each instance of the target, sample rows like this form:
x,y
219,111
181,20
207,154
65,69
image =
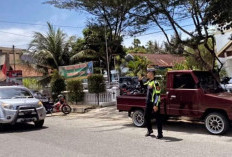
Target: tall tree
x,y
92,47
170,15
113,14
51,50
136,43
175,47
219,13
154,47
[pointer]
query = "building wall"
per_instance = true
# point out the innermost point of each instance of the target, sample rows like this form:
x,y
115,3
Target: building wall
x,y
228,66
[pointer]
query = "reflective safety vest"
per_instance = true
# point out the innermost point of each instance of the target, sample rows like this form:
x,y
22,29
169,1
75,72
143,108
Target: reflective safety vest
x,y
155,97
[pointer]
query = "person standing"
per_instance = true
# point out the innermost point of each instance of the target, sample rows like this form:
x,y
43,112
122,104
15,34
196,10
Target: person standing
x,y
153,104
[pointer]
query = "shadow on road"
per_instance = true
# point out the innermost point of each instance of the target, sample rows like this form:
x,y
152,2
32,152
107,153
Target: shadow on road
x,y
18,128
189,127
168,139
171,139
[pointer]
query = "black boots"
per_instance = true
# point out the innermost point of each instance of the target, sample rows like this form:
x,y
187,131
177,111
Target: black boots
x,y
159,136
149,132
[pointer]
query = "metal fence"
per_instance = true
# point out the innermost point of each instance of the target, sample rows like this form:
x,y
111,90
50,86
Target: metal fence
x,y
108,97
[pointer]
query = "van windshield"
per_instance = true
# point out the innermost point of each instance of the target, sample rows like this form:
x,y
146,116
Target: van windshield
x,y
14,93
208,82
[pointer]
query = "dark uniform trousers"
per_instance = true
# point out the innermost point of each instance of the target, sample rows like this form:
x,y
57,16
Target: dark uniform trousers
x,y
149,111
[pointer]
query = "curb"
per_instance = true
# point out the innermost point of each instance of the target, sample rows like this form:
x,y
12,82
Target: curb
x,y
81,109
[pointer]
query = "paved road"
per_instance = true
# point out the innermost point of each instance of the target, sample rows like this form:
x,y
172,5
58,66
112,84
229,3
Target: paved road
x,y
105,132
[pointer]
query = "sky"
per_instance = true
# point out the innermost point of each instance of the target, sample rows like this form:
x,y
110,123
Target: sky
x,y
37,15
33,16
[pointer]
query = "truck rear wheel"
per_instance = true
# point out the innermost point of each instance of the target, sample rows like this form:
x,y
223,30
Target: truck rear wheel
x,y
216,123
138,118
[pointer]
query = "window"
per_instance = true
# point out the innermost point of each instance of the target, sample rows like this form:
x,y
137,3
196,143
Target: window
x,y
184,81
14,93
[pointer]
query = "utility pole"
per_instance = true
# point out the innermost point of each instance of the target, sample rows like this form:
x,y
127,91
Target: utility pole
x,y
107,57
14,56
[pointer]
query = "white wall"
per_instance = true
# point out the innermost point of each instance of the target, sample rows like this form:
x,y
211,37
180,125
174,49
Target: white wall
x,y
228,66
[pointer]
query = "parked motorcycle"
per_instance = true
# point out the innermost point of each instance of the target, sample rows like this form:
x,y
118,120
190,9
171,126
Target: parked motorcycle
x,y
60,106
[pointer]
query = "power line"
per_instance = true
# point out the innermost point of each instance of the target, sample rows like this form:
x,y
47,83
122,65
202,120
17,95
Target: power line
x,y
16,34
34,24
157,32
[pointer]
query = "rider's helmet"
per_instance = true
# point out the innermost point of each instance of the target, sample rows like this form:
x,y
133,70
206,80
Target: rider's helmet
x,y
60,96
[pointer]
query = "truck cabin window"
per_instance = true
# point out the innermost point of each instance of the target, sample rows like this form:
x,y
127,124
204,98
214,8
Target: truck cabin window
x,y
208,82
184,81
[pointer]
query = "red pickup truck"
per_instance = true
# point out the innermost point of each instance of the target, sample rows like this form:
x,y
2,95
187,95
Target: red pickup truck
x,y
194,94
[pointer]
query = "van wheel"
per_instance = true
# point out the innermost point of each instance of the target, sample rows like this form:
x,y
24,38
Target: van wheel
x,y
216,123
1,127
138,118
39,124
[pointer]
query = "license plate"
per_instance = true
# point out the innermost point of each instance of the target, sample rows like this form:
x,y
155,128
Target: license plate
x,y
27,112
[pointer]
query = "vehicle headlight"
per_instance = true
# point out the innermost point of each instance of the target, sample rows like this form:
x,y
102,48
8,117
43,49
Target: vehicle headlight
x,y
7,106
40,104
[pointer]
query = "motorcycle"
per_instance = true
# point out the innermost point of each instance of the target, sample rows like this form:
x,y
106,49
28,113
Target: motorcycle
x,y
60,106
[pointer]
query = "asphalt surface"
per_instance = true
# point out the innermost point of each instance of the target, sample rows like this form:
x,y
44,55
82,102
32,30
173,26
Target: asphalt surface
x,y
105,132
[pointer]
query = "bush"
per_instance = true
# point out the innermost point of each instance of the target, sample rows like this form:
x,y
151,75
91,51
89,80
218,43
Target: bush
x,y
57,84
32,83
96,84
75,88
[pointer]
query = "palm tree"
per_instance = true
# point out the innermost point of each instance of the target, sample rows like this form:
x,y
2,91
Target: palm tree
x,y
138,66
52,49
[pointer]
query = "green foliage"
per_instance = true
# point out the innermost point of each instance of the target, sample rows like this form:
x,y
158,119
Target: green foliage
x,y
137,50
96,83
120,64
57,84
174,47
136,43
51,49
219,13
75,88
223,73
194,63
32,83
97,70
180,66
138,66
93,47
115,14
154,47
112,16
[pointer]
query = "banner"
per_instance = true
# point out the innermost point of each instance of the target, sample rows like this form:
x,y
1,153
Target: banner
x,y
77,70
14,77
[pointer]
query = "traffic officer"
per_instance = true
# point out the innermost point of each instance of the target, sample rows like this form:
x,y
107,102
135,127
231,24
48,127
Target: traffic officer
x,y
153,104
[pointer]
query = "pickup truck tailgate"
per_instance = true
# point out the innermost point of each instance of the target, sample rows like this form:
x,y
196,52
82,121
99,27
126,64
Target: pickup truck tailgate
x,y
126,102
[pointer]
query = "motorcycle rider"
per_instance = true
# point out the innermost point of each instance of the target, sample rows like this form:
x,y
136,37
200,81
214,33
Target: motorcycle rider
x,y
61,98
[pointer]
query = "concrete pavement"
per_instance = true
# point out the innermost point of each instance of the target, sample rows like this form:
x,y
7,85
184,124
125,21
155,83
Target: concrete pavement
x,y
105,132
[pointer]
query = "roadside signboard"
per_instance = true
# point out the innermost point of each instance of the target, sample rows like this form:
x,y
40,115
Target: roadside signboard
x,y
14,77
77,70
